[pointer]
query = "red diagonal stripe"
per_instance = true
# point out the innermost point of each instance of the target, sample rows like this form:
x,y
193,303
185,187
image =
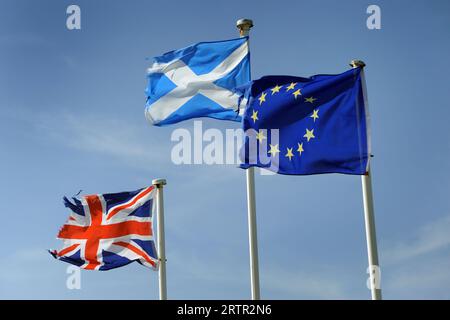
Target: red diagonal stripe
x,y
140,252
66,250
127,205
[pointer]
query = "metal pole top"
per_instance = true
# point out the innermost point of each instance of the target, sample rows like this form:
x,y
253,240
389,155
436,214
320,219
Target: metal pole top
x,y
244,26
357,64
159,182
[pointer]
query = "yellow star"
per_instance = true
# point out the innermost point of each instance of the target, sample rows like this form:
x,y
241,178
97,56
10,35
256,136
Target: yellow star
x,y
310,99
300,148
260,136
297,93
291,86
276,89
315,114
274,150
309,134
262,98
289,153
254,116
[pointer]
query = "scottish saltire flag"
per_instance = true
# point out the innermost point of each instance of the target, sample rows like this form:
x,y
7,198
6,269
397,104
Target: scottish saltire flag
x,y
198,81
321,121
107,231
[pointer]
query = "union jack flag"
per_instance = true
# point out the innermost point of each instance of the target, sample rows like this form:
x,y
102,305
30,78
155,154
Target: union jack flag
x,y
107,231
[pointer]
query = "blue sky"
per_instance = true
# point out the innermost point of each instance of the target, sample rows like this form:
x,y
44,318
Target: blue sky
x,y
72,117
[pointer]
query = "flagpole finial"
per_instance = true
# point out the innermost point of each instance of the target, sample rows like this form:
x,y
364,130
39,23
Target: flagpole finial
x,y
159,182
244,26
357,64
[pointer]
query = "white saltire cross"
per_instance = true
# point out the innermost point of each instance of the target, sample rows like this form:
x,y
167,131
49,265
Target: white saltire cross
x,y
188,84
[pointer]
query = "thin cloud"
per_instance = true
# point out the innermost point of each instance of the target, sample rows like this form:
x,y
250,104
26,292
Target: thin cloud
x,y
99,134
142,147
302,285
432,237
423,279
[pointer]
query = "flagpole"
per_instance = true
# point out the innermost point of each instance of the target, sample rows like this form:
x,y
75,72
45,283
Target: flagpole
x,y
159,184
369,216
244,26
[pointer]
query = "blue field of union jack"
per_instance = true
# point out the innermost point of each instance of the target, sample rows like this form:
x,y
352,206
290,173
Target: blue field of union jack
x,y
107,231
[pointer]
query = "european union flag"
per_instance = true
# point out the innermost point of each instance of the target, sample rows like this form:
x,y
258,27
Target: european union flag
x,y
303,126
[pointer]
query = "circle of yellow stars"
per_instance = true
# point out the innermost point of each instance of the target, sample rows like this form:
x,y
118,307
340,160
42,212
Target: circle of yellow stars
x,y
309,134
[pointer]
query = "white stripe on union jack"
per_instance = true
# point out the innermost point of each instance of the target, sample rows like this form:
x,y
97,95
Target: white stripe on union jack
x,y
109,231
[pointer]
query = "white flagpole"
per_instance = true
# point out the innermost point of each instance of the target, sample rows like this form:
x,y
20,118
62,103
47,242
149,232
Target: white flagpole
x,y
369,216
159,184
244,26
